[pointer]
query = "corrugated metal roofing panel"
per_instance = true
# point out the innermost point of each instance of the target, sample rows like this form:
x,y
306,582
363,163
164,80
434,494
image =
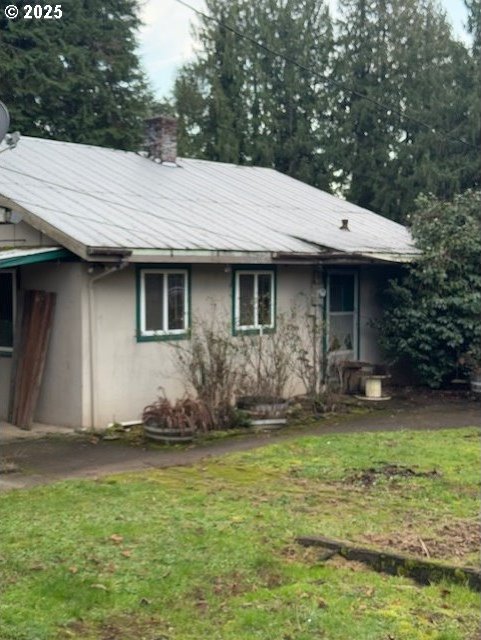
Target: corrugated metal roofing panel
x,y
103,197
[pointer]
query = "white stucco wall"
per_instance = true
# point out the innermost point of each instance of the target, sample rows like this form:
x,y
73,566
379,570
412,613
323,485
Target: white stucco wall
x,y
129,373
23,235
60,399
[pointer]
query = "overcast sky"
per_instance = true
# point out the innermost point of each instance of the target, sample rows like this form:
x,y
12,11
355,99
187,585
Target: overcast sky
x,y
166,43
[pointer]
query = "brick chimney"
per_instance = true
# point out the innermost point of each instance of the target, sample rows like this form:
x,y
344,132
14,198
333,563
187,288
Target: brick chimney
x,y
161,139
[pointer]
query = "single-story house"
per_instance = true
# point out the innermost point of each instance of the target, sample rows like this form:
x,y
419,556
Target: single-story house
x,y
135,247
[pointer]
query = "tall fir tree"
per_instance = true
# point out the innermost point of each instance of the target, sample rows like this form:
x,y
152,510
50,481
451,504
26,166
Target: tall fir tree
x,y
441,90
337,119
239,103
77,78
363,68
401,53
474,26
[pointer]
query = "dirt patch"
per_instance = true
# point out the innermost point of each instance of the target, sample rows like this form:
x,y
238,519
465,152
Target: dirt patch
x,y
454,540
369,477
121,628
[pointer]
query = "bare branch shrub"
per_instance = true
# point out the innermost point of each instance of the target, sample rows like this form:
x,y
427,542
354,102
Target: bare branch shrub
x,y
186,414
269,359
310,362
220,367
209,365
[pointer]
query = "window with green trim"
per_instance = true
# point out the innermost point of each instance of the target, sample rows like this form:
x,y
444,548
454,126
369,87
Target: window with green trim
x,y
163,300
254,300
7,310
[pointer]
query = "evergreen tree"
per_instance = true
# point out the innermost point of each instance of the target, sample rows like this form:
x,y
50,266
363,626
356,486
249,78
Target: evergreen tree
x,y
337,118
77,78
238,103
401,53
441,90
364,68
474,26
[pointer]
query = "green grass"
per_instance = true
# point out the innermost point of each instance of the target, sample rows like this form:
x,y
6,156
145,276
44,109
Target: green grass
x,y
208,552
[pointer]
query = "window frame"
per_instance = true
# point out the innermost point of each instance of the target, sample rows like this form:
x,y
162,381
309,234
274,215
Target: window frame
x,y
8,351
355,313
255,328
145,335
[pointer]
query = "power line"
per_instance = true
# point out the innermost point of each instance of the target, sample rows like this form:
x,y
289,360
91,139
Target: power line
x,y
389,109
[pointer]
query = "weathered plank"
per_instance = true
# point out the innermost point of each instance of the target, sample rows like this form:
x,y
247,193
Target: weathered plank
x,y
421,570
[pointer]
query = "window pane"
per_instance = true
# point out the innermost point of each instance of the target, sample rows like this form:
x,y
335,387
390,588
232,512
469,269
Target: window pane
x,y
341,292
176,300
341,332
154,301
246,299
6,309
264,297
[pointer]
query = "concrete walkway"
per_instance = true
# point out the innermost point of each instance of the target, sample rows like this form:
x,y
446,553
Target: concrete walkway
x,y
10,433
48,459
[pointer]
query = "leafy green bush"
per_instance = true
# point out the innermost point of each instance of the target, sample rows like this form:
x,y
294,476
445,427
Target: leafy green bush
x,y
432,314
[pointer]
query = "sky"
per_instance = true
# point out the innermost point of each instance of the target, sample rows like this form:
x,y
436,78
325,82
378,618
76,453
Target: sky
x,y
166,42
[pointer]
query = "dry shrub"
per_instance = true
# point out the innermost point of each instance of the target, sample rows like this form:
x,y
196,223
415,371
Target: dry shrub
x,y
268,359
185,414
220,367
210,365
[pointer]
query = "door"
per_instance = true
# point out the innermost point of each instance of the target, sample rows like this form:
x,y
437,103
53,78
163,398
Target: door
x,y
342,315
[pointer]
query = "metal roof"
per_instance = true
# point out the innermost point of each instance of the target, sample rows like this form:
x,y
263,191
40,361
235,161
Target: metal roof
x,y
106,198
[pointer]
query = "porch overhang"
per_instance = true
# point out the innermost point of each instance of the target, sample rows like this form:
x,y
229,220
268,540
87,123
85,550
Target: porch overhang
x,y
18,257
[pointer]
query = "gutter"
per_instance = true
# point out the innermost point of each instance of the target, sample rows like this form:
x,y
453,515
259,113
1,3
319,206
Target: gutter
x,y
341,257
101,252
214,256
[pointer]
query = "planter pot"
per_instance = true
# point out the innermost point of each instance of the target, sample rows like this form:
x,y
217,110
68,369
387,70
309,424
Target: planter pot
x,y
266,413
268,424
263,404
168,436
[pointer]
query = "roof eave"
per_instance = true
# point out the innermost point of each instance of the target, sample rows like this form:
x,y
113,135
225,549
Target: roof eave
x,y
47,229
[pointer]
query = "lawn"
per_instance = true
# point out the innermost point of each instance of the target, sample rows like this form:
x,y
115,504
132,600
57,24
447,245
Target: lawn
x,y
209,552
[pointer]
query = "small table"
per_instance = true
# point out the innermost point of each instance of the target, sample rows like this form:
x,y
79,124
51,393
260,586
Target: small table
x,y
373,389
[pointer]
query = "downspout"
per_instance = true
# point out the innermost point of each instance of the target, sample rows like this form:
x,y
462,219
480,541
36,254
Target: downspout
x,y
322,300
93,335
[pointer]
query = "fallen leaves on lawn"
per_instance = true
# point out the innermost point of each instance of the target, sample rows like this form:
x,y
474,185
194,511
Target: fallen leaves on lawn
x,y
455,539
116,538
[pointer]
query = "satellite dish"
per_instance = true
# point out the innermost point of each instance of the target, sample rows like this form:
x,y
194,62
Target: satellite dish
x,y
4,121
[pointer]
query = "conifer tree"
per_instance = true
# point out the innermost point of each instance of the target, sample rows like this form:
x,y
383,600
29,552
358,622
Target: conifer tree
x,y
238,103
77,78
402,54
337,118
